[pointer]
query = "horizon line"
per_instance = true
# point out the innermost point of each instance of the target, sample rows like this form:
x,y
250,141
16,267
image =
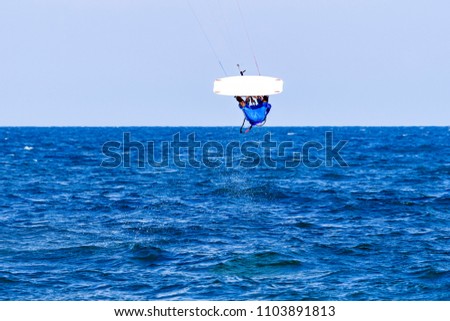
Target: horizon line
x,y
202,126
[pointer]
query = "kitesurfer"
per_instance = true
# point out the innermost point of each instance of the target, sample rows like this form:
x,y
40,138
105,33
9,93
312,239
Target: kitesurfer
x,y
255,112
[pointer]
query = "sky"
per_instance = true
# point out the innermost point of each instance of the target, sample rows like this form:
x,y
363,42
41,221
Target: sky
x,y
148,62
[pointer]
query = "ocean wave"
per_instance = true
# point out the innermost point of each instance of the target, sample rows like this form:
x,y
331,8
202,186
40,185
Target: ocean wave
x,y
146,253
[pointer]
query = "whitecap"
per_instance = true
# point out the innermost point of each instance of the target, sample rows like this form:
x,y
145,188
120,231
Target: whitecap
x,y
28,148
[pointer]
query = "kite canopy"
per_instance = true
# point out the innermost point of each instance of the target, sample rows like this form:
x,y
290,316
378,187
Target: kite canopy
x,y
248,86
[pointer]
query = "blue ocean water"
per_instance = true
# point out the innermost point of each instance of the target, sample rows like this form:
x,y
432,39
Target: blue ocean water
x,y
376,229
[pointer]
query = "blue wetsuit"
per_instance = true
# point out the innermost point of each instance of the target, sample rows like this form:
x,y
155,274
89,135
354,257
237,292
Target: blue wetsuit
x,y
256,114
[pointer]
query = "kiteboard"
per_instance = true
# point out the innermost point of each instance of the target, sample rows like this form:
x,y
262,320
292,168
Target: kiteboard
x,y
248,86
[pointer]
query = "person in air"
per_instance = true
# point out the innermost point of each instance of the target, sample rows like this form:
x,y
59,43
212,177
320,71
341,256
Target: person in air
x,y
255,110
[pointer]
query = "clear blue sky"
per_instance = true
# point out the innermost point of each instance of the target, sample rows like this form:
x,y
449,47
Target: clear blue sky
x,y
146,63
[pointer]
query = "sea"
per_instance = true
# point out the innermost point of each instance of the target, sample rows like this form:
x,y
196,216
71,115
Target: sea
x,y
207,213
